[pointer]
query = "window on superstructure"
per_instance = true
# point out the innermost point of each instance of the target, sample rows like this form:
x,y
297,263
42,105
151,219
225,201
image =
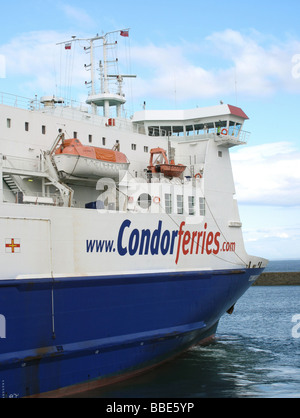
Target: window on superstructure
x,y
237,129
43,129
26,126
221,127
8,123
165,130
231,130
154,131
191,205
133,147
74,134
199,129
178,130
103,140
90,138
180,204
202,206
168,202
189,129
146,149
209,128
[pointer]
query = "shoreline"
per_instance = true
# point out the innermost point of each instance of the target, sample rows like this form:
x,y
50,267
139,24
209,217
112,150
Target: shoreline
x,y
279,279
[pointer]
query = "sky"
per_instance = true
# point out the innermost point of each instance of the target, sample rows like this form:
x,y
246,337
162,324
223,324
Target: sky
x,y
187,54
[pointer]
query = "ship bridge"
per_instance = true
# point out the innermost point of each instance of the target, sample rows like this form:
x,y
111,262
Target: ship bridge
x,y
223,122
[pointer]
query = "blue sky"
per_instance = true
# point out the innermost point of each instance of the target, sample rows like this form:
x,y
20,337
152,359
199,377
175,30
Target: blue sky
x,y
244,53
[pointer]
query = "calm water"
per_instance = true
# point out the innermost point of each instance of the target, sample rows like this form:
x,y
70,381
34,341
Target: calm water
x,y
283,266
255,355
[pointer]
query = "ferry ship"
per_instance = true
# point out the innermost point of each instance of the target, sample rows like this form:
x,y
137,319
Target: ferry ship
x,y
120,242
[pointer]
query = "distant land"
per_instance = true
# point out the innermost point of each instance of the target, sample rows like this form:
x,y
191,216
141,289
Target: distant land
x,y
279,279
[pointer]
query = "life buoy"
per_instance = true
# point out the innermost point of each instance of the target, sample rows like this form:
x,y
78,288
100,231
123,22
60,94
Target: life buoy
x,y
224,132
156,199
198,176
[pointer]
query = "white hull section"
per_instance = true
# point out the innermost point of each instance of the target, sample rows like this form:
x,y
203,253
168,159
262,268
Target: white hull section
x,y
41,241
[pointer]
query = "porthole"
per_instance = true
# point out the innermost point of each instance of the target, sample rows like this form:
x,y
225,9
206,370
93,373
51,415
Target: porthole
x,y
144,201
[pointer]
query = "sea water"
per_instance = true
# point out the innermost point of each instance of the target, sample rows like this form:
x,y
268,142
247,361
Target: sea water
x,y
283,266
256,354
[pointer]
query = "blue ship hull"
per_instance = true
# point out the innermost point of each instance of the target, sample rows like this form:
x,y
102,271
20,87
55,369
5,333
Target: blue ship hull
x,y
90,331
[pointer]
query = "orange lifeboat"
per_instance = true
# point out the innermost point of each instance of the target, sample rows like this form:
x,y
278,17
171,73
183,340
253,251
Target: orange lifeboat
x,y
161,164
75,159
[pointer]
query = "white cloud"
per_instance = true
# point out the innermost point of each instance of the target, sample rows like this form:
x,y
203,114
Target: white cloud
x,y
267,174
38,64
260,69
2,66
273,243
185,71
263,234
78,16
257,65
166,69
271,231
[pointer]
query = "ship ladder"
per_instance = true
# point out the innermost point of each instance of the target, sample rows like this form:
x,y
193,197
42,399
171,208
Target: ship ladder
x,y
13,185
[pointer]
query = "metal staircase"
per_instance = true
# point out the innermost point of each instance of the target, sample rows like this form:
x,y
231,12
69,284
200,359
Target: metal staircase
x,y
13,186
12,176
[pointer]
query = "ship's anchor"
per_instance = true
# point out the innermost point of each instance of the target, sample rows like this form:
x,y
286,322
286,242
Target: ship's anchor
x,y
230,310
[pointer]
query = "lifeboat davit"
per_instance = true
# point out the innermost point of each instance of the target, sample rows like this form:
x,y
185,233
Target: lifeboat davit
x,y
162,165
76,160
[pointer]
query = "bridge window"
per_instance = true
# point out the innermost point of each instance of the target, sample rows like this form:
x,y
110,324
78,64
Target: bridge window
x,y
235,129
220,125
189,129
153,131
166,130
199,129
209,128
178,130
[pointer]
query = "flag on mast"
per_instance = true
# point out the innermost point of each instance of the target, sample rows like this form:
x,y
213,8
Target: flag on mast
x,y
124,33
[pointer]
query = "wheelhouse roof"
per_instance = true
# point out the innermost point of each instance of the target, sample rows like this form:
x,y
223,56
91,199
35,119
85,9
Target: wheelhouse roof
x,y
191,114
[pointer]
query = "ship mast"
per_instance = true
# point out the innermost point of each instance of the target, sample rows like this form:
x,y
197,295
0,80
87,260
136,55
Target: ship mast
x,y
104,98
